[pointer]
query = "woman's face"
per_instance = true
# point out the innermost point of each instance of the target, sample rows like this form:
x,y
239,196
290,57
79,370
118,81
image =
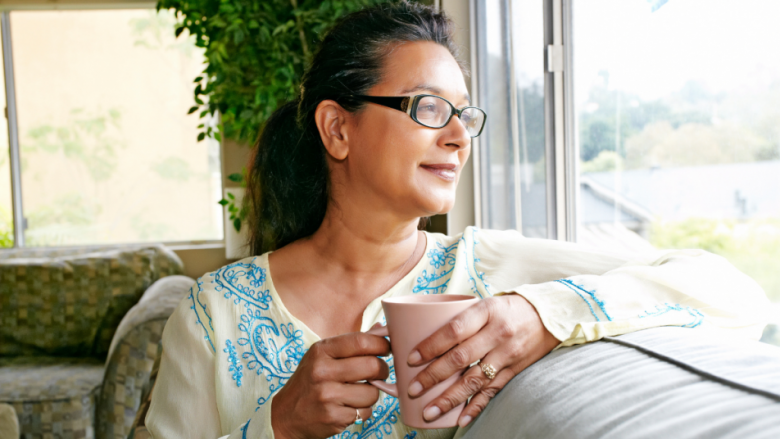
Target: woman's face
x,y
394,161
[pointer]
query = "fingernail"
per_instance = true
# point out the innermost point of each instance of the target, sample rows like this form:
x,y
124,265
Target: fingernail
x,y
431,413
414,358
415,388
464,421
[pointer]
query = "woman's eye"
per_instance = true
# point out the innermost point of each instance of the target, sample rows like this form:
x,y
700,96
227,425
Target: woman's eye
x,y
427,109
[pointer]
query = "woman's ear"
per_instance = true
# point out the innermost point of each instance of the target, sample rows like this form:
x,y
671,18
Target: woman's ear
x,y
331,121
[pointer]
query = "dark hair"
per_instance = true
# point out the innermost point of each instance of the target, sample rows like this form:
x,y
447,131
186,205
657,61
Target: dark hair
x,y
288,182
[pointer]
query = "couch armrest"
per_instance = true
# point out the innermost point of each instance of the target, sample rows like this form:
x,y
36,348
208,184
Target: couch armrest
x,y
132,354
138,430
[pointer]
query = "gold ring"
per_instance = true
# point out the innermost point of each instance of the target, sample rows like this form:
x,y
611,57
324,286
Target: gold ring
x,y
358,419
488,370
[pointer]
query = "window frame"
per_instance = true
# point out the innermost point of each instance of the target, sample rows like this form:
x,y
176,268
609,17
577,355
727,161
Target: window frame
x,y
19,222
561,148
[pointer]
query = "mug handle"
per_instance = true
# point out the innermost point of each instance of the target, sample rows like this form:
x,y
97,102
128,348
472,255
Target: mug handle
x,y
390,389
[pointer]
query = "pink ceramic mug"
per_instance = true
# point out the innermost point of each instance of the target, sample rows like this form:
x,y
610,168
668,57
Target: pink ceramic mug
x,y
410,320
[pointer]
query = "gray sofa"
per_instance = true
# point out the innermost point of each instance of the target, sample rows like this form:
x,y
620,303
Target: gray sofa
x,y
658,383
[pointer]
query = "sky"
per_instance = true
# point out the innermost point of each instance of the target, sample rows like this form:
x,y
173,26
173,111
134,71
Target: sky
x,y
725,44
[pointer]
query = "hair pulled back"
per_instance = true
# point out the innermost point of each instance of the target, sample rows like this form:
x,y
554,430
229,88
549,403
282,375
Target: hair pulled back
x,y
288,182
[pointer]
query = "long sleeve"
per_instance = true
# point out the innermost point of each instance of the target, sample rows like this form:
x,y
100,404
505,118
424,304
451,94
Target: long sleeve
x,y
583,294
184,400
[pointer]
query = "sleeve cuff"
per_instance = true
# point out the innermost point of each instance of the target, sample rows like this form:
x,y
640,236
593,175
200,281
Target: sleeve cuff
x,y
572,313
560,309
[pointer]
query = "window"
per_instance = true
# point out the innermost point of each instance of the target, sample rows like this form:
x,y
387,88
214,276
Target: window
x,y
6,204
108,152
679,129
511,150
639,124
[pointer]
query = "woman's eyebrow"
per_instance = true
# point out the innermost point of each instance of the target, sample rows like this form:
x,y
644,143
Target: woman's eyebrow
x,y
423,87
433,90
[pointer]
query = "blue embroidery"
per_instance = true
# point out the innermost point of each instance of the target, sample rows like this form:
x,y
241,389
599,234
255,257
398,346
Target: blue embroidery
x,y
383,418
194,299
234,367
479,274
574,287
698,317
274,351
441,257
228,280
244,429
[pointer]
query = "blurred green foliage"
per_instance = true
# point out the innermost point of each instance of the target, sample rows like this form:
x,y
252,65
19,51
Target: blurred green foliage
x,y
91,138
173,168
6,229
707,234
70,215
691,127
256,53
154,32
753,246
606,161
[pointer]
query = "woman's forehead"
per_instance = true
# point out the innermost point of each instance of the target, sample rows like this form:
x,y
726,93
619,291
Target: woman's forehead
x,y
422,67
434,89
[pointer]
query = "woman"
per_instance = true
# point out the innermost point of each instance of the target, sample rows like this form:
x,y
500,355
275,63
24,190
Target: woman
x,y
271,346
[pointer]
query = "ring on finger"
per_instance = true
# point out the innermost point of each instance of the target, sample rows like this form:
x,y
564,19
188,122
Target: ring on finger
x,y
488,369
358,419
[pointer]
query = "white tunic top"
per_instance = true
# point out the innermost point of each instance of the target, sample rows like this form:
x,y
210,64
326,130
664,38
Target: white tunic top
x,y
231,345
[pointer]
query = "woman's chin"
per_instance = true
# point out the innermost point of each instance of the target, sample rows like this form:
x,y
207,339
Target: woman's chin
x,y
438,205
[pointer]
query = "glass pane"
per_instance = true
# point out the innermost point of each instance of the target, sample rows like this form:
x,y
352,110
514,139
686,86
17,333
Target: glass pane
x,y
528,53
495,147
679,129
511,147
6,204
108,152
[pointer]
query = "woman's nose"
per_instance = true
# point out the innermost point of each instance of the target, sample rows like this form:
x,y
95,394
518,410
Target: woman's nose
x,y
460,133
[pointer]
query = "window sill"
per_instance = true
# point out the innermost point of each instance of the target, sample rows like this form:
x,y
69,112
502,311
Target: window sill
x,y
175,246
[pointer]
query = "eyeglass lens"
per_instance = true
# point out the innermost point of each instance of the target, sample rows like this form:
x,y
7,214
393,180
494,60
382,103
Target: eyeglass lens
x,y
435,113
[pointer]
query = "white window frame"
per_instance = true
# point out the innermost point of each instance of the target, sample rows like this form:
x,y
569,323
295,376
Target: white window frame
x,y
19,222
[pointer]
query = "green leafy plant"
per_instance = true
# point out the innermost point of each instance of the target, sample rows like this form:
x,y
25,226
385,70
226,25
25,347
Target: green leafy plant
x,y
237,213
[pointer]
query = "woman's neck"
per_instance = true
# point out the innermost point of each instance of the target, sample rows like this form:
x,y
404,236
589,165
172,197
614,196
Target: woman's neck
x,y
328,279
365,244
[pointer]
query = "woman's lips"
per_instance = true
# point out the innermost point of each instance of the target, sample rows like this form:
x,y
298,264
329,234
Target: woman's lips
x,y
445,171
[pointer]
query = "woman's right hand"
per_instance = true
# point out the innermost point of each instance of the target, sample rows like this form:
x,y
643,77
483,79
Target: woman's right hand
x,y
320,399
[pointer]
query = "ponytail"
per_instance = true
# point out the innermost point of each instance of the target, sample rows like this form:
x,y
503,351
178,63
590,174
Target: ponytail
x,y
287,187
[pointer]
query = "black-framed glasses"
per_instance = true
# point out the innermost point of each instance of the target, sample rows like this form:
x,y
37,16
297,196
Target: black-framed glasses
x,y
431,111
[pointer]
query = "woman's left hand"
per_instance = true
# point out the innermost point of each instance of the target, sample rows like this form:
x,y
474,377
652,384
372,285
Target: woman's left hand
x,y
505,332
